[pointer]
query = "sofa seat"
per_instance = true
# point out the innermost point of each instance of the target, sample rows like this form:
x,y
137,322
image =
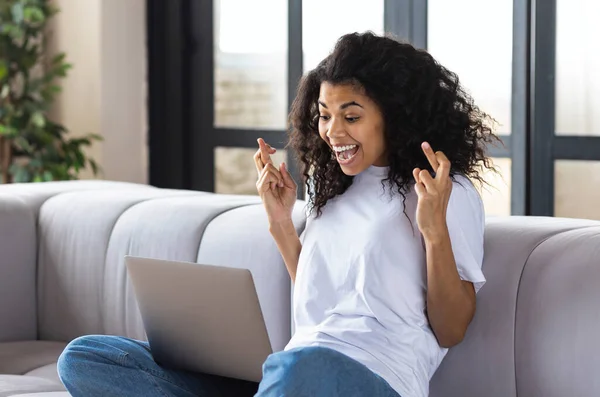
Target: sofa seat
x,y
15,385
30,367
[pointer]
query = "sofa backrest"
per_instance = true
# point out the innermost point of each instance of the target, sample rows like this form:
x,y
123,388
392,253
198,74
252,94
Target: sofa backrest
x,y
84,236
534,332
538,317
17,270
19,209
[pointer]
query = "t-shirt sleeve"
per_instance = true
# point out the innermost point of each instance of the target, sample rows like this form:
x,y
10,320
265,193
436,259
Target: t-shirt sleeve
x,y
466,224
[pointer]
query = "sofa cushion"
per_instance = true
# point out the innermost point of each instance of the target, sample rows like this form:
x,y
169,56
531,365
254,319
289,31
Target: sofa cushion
x,y
11,385
484,363
163,228
74,233
17,270
20,358
213,229
558,320
49,372
250,246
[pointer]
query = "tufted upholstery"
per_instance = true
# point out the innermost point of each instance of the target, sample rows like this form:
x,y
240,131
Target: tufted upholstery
x,y
62,275
68,249
543,284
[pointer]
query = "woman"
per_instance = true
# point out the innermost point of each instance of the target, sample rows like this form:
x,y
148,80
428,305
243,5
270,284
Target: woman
x,y
389,263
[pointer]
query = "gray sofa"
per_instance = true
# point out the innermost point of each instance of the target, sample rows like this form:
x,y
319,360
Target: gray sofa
x,y
62,275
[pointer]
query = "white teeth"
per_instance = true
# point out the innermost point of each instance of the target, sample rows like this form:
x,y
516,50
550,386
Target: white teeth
x,y
343,148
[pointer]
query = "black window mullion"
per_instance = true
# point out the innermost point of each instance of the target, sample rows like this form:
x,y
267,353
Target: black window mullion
x,y
577,148
295,71
200,46
246,138
542,107
519,107
166,143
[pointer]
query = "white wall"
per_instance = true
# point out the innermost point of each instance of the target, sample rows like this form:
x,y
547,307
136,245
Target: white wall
x,y
105,92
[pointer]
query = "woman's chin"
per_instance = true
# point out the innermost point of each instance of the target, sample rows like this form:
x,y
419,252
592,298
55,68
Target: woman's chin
x,y
354,169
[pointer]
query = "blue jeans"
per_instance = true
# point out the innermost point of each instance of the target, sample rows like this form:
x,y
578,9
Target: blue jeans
x,y
114,366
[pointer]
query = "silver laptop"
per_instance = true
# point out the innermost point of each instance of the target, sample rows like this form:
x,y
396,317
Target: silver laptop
x,y
201,318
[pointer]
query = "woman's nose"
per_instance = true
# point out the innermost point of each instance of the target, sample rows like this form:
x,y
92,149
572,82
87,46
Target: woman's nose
x,y
336,129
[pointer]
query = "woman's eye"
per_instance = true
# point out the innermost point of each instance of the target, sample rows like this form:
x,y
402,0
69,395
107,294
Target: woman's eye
x,y
324,117
352,119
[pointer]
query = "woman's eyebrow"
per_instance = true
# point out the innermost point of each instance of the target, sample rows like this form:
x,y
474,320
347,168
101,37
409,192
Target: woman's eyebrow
x,y
344,106
348,104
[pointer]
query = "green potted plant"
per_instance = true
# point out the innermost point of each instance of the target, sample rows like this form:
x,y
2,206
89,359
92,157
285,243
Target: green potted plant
x,y
33,148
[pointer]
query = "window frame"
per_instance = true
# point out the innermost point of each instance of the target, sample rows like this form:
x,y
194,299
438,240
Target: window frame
x,y
182,135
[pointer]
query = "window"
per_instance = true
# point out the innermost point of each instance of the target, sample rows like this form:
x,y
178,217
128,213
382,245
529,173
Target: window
x,y
577,189
325,21
235,171
577,65
473,39
209,103
250,44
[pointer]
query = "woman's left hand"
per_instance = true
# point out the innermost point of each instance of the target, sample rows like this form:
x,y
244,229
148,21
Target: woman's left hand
x,y
433,193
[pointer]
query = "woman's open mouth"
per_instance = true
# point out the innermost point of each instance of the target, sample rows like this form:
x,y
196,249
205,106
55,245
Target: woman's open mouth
x,y
345,154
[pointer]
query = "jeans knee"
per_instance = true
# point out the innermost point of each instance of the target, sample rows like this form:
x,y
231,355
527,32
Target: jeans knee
x,y
302,363
82,350
67,361
295,372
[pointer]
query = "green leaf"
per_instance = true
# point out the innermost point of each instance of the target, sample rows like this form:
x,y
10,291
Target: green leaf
x,y
38,119
48,176
59,58
35,163
17,13
96,137
94,165
13,31
8,131
5,91
49,92
61,71
29,60
75,143
21,175
79,159
51,9
3,69
23,144
33,15
14,167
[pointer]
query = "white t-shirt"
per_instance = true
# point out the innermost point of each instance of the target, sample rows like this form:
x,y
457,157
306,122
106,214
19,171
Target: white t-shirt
x,y
361,281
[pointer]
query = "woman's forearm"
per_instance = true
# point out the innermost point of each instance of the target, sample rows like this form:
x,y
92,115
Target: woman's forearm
x,y
289,245
450,305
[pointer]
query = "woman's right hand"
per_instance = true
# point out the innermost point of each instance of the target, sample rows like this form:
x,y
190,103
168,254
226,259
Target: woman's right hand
x,y
275,186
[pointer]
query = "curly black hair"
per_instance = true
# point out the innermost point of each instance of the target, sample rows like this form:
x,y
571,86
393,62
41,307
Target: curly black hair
x,y
420,101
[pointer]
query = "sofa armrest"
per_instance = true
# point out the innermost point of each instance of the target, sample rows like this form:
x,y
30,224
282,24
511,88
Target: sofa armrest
x,y
17,270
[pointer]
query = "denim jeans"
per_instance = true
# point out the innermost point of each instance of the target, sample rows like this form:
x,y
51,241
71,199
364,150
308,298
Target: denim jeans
x,y
100,365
